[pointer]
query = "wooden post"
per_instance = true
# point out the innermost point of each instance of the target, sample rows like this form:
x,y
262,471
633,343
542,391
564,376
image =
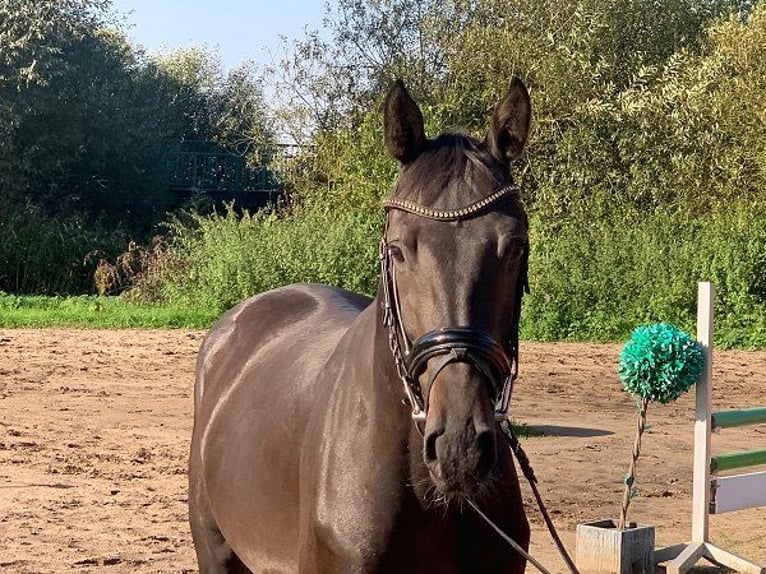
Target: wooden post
x,y
695,550
701,495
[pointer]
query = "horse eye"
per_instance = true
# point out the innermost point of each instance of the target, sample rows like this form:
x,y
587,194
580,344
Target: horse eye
x,y
509,252
396,252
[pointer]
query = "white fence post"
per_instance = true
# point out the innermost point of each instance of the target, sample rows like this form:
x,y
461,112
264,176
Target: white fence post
x,y
701,495
682,557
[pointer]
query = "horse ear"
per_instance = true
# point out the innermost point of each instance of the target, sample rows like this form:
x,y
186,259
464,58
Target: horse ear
x,y
510,123
403,125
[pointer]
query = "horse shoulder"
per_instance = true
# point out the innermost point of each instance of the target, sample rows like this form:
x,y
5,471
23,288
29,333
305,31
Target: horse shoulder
x,y
255,392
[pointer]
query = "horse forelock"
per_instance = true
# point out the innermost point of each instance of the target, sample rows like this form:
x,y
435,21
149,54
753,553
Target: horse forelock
x,y
453,170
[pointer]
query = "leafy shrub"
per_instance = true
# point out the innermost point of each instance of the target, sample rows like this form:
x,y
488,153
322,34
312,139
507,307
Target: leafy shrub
x,y
660,363
45,255
131,266
644,172
221,259
598,282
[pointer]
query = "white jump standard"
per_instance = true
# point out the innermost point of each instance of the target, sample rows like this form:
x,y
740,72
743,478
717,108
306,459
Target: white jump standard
x,y
721,494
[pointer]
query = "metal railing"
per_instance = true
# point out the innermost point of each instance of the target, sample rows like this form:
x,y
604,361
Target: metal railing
x,y
209,167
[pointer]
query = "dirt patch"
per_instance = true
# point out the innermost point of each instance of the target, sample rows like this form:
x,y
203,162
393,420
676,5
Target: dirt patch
x,y
94,431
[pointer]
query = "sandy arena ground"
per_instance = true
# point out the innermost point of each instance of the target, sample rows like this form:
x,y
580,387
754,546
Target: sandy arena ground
x,y
94,431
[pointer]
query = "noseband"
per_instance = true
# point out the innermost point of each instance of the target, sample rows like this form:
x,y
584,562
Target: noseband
x,y
497,362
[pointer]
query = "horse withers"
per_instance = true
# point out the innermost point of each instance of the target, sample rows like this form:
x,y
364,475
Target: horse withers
x,y
334,433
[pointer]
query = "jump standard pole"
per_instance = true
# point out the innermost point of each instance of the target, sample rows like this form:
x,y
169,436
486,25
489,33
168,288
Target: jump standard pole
x,y
682,557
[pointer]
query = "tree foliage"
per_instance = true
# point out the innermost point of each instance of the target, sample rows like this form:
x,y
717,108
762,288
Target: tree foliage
x,y
623,90
645,168
87,120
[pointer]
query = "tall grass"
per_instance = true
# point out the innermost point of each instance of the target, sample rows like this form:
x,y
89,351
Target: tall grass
x,y
46,255
596,282
216,261
95,312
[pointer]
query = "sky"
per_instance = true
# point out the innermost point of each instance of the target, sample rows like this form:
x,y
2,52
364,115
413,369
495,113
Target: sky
x,y
241,29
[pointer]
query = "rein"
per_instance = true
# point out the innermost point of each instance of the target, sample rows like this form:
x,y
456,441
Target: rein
x,y
498,362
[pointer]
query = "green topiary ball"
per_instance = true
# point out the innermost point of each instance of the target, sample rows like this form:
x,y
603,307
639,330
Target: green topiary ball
x,y
660,362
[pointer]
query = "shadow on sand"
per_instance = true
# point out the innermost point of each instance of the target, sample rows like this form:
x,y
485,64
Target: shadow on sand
x,y
578,432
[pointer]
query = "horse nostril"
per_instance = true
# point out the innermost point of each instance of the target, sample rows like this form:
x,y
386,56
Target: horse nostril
x,y
485,444
430,446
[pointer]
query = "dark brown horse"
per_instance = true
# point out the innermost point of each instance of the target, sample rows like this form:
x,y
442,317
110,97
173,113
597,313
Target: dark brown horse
x,y
305,455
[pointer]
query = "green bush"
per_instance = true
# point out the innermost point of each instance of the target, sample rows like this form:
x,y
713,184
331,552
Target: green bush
x,y
599,282
593,283
45,255
218,260
645,170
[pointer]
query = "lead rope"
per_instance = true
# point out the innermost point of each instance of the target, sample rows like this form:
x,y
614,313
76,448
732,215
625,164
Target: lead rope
x,y
529,474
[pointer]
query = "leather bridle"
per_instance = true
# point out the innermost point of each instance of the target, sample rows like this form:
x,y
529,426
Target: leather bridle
x,y
497,362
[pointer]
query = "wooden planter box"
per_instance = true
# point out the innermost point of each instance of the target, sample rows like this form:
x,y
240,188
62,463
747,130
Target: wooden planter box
x,y
603,549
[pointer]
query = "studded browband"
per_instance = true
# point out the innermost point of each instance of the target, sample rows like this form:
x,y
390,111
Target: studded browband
x,y
451,214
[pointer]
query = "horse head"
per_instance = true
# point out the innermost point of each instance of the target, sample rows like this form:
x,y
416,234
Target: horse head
x,y
454,259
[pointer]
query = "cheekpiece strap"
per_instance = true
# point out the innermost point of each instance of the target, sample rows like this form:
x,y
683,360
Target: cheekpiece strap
x,y
451,214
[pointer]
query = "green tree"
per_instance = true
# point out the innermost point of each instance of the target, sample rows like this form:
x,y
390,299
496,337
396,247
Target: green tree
x,y
86,122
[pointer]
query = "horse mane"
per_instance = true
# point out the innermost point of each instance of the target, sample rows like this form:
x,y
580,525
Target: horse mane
x,y
454,169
